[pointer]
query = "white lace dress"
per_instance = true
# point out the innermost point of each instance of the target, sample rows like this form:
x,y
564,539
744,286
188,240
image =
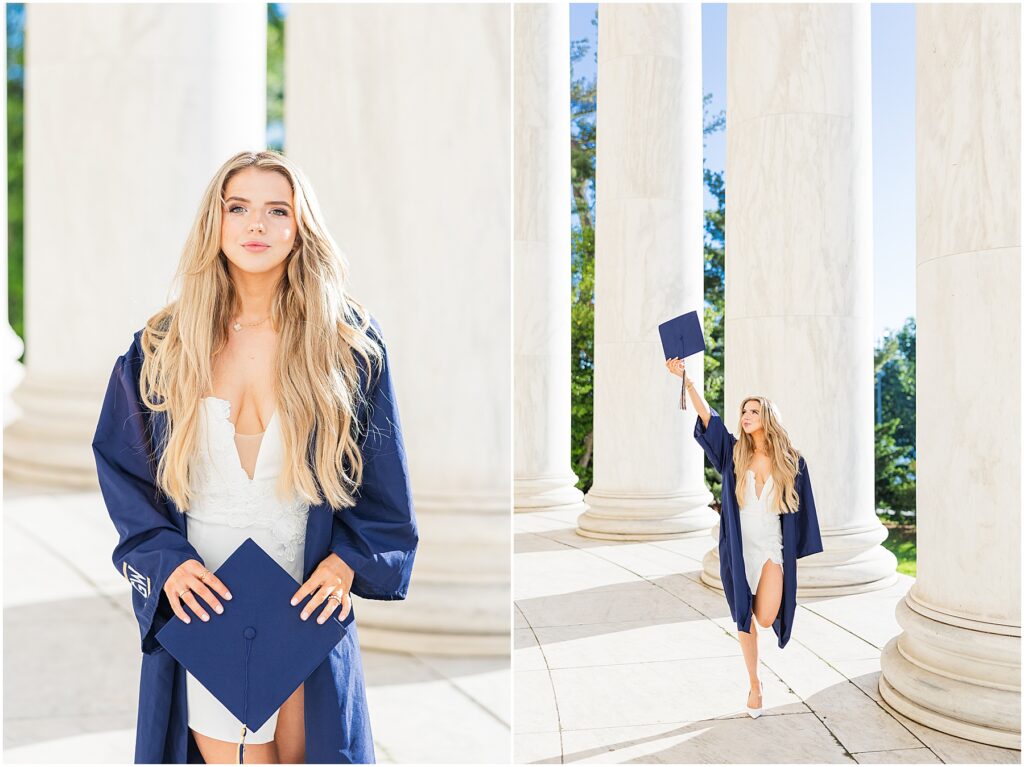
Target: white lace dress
x,y
230,506
760,529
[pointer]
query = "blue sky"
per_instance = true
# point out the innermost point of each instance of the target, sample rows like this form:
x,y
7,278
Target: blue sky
x,y
892,97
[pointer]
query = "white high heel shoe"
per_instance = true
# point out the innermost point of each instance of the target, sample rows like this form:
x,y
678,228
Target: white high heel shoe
x,y
756,712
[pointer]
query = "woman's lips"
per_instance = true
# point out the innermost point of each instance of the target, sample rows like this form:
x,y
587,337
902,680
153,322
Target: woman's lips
x,y
255,248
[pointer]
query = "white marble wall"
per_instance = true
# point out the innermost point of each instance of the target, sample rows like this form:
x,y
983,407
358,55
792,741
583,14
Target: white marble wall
x,y
127,113
798,311
401,115
648,471
542,260
956,666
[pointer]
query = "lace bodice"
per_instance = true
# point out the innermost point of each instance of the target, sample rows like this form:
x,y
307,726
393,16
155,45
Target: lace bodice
x,y
224,493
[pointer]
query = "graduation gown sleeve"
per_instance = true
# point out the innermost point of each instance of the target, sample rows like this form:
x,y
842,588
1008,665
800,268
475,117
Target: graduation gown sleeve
x,y
150,546
715,439
808,538
377,537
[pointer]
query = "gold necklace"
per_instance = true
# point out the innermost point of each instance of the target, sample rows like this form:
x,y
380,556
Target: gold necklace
x,y
238,325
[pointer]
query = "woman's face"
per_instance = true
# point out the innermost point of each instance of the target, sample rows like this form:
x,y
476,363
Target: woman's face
x,y
750,420
258,209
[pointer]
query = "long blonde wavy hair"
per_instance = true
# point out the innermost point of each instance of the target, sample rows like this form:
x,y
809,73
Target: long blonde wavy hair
x,y
784,457
316,377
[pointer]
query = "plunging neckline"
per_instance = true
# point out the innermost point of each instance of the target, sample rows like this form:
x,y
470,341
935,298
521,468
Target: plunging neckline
x,y
756,496
259,450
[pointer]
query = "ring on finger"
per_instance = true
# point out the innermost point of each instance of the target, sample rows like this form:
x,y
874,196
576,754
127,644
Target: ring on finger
x,y
336,596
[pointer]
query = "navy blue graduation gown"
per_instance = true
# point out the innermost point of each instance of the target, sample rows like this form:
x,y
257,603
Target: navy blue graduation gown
x,y
377,538
801,536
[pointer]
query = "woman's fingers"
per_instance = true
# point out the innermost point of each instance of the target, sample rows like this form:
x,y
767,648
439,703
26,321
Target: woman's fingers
x,y
190,599
332,604
345,607
315,601
175,601
215,583
200,588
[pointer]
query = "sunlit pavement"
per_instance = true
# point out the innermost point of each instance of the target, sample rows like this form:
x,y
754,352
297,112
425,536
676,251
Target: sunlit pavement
x,y
71,655
623,655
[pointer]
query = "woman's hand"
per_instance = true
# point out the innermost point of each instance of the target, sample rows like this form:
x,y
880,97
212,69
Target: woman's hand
x,y
331,582
676,366
190,578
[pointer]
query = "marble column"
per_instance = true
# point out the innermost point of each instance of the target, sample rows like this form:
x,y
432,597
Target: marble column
x,y
401,116
542,261
956,666
798,310
128,113
648,471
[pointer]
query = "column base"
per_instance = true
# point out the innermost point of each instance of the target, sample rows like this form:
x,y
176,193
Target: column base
x,y
459,598
853,562
549,493
639,517
953,674
51,443
440,619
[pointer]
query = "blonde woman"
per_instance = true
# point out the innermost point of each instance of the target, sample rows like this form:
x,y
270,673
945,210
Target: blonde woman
x,y
258,404
768,519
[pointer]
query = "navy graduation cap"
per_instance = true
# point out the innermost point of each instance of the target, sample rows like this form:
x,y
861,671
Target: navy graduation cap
x,y
255,654
680,337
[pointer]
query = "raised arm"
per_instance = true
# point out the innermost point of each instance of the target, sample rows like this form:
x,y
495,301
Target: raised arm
x,y
708,430
677,367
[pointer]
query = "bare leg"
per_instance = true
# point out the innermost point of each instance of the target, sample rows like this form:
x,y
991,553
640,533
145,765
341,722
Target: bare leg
x,y
765,608
290,734
748,643
216,751
768,598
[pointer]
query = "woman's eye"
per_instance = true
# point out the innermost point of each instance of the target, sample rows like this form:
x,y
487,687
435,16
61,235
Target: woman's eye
x,y
237,207
282,211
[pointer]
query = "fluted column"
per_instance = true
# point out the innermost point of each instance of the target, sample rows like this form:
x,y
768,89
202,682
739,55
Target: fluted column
x,y
124,127
401,116
542,260
798,309
648,471
956,666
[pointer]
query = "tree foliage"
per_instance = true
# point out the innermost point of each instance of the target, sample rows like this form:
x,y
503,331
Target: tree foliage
x,y
895,419
16,168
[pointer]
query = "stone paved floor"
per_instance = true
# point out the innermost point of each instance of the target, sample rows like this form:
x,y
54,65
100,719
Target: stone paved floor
x,y
71,659
623,655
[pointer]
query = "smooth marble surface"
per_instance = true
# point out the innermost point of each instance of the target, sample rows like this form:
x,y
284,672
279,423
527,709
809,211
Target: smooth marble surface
x,y
116,103
542,258
650,670
961,620
401,115
799,249
648,472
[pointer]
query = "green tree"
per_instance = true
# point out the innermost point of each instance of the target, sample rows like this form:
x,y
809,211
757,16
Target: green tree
x,y
583,110
275,76
895,419
16,168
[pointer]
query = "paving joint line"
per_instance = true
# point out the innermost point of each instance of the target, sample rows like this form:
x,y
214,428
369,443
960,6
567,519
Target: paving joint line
x,y
441,677
551,682
108,598
760,659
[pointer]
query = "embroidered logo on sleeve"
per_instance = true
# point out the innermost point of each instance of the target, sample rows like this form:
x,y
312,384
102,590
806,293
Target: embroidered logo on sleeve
x,y
138,581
